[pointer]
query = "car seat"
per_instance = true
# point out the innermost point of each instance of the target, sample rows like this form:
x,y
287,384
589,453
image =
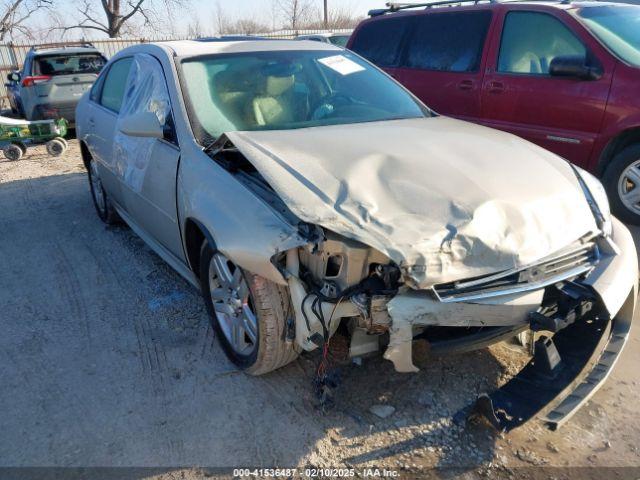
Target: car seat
x,y
232,93
277,104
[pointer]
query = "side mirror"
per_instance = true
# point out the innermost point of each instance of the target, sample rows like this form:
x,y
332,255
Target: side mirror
x,y
13,77
142,124
574,66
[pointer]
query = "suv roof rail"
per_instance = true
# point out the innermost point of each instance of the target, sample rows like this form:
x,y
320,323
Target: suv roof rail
x,y
62,45
396,6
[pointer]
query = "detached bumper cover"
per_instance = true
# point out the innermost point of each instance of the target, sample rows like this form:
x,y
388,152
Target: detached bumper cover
x,y
588,350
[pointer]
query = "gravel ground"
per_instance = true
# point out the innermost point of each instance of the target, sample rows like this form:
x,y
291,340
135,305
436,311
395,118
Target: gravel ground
x,y
107,359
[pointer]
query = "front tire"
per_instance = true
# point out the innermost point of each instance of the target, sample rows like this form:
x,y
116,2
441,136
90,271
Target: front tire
x,y
13,152
622,182
249,314
104,208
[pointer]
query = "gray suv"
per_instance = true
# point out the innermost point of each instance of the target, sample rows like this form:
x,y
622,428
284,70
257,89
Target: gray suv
x,y
52,81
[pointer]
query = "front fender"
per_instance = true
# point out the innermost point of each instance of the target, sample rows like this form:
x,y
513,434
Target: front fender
x,y
244,228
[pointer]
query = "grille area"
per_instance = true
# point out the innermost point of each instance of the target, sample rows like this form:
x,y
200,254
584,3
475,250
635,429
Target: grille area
x,y
574,262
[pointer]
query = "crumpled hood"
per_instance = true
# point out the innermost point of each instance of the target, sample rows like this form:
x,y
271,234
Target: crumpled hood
x,y
444,199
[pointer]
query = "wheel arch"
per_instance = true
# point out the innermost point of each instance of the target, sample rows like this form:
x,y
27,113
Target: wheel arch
x,y
85,154
628,137
195,233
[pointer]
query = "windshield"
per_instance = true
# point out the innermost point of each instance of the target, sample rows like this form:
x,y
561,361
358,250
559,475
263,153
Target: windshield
x,y
69,64
283,90
339,40
618,27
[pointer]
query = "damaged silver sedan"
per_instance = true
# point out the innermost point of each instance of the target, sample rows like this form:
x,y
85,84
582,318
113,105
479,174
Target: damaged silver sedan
x,y
304,191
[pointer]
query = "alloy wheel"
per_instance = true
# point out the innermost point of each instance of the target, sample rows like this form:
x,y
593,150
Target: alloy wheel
x,y
629,187
232,305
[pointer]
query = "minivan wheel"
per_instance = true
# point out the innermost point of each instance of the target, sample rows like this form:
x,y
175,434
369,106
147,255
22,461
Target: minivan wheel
x,y
249,314
622,181
104,207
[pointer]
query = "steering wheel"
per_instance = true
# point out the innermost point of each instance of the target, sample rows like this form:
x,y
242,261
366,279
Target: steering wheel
x,y
329,104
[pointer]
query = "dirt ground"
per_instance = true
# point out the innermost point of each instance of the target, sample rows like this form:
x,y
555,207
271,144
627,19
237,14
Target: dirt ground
x,y
107,359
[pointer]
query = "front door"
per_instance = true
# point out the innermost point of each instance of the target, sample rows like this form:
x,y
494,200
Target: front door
x,y
519,95
148,166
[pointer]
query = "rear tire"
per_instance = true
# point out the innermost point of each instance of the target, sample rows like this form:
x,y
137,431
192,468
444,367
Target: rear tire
x,y
104,208
269,303
622,182
56,147
63,140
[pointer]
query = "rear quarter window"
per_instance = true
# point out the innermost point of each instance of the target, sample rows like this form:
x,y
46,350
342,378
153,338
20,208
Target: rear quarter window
x,y
380,41
450,42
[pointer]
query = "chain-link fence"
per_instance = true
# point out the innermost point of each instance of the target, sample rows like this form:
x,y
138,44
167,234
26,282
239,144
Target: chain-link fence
x,y
12,55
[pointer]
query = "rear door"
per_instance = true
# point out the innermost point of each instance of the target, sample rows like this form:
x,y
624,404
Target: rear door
x,y
561,114
442,63
102,116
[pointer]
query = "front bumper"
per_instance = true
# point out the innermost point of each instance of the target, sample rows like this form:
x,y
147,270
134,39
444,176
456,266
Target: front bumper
x,y
588,350
568,368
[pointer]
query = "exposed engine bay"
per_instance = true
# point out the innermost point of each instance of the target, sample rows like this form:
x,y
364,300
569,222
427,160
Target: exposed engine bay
x,y
334,279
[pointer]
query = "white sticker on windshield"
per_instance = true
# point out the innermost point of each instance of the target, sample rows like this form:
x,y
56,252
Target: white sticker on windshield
x,y
341,64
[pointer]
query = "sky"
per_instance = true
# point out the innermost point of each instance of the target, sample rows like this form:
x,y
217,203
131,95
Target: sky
x,y
203,11
246,7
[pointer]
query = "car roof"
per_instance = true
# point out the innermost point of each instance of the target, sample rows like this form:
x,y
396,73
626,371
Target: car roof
x,y
193,48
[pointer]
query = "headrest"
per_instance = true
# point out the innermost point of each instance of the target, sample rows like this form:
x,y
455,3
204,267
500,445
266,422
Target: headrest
x,y
228,81
278,85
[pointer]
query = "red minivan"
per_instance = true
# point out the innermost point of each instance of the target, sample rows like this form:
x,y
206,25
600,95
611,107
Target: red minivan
x,y
564,75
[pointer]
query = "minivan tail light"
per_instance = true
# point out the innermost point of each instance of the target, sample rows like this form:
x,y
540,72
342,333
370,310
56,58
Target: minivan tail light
x,y
35,80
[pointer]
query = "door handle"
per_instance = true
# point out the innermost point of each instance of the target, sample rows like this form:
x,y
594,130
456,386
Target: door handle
x,y
91,122
495,87
466,85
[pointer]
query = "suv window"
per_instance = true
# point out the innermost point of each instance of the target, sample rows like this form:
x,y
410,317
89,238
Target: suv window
x,y
531,40
68,64
450,42
115,83
379,41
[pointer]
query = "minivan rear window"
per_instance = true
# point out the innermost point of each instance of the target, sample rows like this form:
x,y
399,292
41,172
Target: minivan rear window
x,y
379,41
53,65
451,42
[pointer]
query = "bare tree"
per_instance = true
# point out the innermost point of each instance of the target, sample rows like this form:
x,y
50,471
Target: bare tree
x,y
295,12
111,16
14,14
220,20
194,29
226,24
336,18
